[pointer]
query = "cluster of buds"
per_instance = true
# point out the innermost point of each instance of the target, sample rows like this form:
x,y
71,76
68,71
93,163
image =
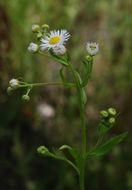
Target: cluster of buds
x,y
48,40
108,118
15,84
40,31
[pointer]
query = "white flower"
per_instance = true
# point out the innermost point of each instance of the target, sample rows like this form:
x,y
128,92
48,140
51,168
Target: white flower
x,y
92,48
33,48
54,39
59,50
14,83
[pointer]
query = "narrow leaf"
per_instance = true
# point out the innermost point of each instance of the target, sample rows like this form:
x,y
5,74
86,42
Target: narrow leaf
x,y
59,59
78,78
61,74
103,149
83,95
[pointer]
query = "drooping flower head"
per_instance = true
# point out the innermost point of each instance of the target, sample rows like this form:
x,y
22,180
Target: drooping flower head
x,y
92,48
59,50
54,39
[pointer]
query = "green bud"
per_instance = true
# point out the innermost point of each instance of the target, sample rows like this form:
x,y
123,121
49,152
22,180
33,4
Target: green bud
x,y
25,98
112,120
35,28
112,111
104,113
39,35
42,150
89,58
9,90
45,26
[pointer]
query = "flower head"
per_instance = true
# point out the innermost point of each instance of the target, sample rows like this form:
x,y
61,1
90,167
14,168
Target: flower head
x,y
54,39
33,48
14,83
59,50
92,48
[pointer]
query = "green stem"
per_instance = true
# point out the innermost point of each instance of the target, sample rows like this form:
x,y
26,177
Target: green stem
x,y
46,84
83,127
82,176
84,143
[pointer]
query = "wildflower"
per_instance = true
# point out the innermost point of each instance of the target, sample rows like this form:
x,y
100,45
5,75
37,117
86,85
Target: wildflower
x,y
54,39
35,28
33,48
14,83
92,48
59,50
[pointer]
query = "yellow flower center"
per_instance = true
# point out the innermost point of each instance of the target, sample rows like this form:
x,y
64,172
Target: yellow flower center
x,y
54,40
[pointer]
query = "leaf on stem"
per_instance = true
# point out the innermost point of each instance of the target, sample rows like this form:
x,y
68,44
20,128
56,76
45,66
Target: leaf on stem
x,y
103,149
88,70
58,59
78,78
74,153
83,95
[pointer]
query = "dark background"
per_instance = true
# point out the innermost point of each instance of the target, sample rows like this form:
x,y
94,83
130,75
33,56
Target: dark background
x,y
52,116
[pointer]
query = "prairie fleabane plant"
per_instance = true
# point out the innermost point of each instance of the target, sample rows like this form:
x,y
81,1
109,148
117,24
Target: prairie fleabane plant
x,y
52,44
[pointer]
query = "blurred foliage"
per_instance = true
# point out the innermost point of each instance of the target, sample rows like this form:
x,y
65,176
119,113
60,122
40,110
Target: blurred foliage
x,y
23,127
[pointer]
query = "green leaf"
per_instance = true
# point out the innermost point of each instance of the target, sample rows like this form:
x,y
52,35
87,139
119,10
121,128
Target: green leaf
x,y
83,95
65,146
45,152
78,78
74,153
103,149
88,70
61,74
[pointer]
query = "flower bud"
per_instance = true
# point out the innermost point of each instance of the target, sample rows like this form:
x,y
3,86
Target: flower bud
x,y
25,98
59,50
112,111
9,90
89,58
45,26
33,48
104,113
112,120
92,48
35,28
42,150
14,83
39,35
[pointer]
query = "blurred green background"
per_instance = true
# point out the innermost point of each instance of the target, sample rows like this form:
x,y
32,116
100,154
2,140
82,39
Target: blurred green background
x,y
52,116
